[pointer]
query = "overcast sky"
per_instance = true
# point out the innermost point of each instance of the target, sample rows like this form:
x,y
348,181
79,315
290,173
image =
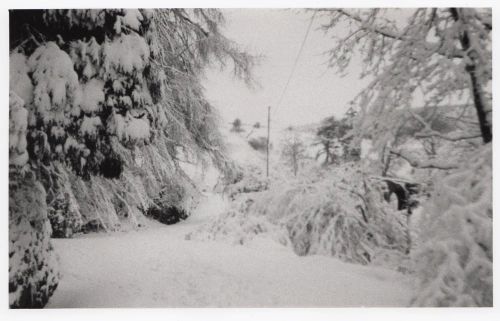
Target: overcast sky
x,y
314,92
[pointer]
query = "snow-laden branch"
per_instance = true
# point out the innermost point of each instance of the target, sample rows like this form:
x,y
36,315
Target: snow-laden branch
x,y
420,163
179,13
454,137
428,132
370,26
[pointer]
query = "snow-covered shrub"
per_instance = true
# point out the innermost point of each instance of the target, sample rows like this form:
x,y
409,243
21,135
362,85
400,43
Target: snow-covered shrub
x,y
389,228
258,143
167,207
390,225
329,213
320,218
250,179
33,273
64,215
240,226
166,214
454,260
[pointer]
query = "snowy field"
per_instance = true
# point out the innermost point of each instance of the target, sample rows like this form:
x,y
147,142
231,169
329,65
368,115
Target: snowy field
x,y
157,267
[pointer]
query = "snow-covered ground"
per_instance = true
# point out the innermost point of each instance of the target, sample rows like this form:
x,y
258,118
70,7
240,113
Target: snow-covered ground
x,y
157,267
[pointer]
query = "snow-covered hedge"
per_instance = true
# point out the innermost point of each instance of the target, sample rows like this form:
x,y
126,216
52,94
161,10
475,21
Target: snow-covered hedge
x,y
328,215
454,262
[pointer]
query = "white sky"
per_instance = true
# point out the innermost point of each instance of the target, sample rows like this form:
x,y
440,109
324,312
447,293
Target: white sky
x,y
314,92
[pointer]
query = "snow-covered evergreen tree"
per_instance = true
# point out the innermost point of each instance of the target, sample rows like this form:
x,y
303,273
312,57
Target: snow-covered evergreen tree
x,y
112,99
33,274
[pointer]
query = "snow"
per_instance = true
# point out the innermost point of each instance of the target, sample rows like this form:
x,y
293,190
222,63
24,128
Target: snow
x,y
367,150
158,267
241,152
55,82
71,142
127,53
242,257
90,126
18,125
454,263
129,128
86,56
132,19
92,96
19,80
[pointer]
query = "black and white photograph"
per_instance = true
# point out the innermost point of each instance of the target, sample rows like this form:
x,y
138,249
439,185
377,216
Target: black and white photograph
x,y
212,157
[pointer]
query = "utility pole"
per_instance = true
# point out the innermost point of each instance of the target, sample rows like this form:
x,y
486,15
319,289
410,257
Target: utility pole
x,y
268,134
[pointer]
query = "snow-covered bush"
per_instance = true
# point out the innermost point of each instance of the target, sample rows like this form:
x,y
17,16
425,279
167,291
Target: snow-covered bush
x,y
390,228
64,215
249,179
327,213
33,273
320,217
240,226
390,225
258,143
454,261
171,204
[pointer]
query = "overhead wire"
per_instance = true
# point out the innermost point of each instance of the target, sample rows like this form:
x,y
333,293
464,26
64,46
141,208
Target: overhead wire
x,y
294,65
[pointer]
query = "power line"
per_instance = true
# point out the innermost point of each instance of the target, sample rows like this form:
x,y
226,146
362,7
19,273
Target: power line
x,y
294,64
268,134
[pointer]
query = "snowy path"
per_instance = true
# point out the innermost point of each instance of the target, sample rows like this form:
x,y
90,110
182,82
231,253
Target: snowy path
x,y
159,268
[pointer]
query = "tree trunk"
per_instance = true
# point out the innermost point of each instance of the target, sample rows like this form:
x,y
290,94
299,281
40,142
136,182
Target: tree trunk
x,y
480,105
476,87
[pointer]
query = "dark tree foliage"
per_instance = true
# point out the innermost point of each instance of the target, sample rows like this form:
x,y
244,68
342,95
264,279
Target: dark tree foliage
x,y
331,133
258,143
237,126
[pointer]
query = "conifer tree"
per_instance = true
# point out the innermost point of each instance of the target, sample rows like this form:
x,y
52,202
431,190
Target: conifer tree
x,y
103,102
